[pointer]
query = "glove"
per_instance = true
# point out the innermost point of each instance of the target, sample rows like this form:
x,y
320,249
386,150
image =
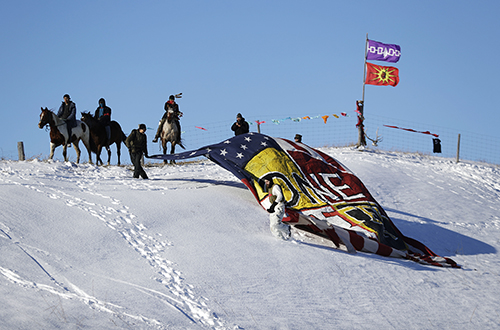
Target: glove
x,y
271,208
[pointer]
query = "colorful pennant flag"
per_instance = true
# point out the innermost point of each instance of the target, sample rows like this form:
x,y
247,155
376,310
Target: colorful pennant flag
x,y
381,75
377,51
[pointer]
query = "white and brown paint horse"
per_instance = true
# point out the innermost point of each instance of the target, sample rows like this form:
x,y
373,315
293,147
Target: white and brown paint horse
x,y
59,134
170,133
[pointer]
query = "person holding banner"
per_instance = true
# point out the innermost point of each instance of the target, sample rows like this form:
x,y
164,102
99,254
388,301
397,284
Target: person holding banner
x,y
276,210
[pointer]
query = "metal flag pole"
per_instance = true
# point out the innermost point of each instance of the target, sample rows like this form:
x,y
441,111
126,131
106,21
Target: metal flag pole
x,y
361,133
364,68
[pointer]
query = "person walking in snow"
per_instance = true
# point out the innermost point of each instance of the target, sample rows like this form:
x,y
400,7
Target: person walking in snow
x,y
240,126
137,145
170,105
276,210
67,112
103,115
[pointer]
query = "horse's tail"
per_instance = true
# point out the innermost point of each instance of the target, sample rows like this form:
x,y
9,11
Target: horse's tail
x,y
117,126
180,144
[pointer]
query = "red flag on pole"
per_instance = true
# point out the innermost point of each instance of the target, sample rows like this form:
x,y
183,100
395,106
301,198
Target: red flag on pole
x,y
381,75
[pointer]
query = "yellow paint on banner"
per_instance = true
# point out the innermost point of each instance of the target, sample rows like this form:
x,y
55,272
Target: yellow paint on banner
x,y
271,160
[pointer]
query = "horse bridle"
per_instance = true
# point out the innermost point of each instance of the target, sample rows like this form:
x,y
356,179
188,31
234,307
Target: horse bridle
x,y
47,123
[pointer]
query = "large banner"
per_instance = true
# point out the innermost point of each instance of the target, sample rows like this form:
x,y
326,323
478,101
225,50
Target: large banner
x,y
322,196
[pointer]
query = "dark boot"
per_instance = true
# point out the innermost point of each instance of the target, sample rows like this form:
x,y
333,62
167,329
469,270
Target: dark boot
x,y
158,131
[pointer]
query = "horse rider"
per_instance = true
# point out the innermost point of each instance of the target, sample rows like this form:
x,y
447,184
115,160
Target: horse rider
x,y
170,105
240,126
67,112
103,115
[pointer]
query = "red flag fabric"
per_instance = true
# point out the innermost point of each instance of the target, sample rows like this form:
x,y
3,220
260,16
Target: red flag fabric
x,y
381,75
412,130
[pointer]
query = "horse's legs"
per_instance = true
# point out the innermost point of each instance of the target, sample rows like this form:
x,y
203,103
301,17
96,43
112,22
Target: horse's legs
x,y
118,147
65,154
172,151
98,153
77,149
52,149
164,144
86,142
109,153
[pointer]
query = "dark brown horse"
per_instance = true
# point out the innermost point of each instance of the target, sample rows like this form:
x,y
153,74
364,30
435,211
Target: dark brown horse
x,y
99,139
170,133
59,134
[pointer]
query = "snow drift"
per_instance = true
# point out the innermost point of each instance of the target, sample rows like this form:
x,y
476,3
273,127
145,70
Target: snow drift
x,y
89,247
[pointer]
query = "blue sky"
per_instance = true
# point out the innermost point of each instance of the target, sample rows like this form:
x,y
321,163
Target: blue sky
x,y
259,58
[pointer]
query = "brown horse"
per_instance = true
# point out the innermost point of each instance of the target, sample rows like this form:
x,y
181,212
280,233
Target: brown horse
x,y
99,139
59,134
170,133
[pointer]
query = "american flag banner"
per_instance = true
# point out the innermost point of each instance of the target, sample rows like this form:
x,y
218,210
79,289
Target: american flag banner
x,y
322,196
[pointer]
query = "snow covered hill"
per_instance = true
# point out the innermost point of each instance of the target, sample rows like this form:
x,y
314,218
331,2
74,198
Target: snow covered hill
x,y
86,247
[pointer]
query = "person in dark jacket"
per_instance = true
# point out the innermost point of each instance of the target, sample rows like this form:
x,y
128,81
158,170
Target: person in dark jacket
x,y
240,126
137,145
103,115
67,112
170,105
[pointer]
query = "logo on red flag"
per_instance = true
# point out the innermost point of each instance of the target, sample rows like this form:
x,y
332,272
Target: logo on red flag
x,y
381,75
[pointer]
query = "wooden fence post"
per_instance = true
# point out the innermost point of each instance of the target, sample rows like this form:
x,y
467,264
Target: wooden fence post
x,y
20,150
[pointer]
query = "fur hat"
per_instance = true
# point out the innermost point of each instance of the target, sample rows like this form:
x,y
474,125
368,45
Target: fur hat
x,y
269,177
239,116
142,126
